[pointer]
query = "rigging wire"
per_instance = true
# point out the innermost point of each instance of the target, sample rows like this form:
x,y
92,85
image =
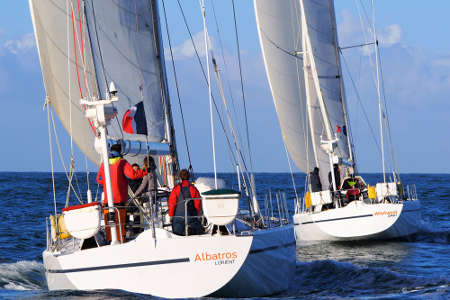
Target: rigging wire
x,y
291,172
243,96
58,144
222,52
47,105
75,47
211,112
381,113
388,129
206,81
177,87
358,97
139,55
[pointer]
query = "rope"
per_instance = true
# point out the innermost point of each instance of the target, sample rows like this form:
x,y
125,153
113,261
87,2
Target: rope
x,y
58,144
47,102
222,51
76,66
360,103
177,87
230,148
383,89
242,88
292,173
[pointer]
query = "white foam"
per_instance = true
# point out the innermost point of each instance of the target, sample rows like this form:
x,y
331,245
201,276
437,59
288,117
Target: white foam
x,y
22,275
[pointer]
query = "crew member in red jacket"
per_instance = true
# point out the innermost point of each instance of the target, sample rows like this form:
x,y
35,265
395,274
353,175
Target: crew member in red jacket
x,y
179,201
120,171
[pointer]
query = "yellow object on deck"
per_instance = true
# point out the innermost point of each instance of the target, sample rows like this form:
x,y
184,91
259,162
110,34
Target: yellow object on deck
x,y
62,230
372,192
400,188
308,200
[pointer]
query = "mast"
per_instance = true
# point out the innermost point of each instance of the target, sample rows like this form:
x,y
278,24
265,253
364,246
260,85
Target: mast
x,y
206,40
170,130
327,145
306,68
380,110
341,85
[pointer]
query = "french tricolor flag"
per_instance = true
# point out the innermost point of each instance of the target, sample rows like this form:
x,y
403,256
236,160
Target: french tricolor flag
x,y
134,121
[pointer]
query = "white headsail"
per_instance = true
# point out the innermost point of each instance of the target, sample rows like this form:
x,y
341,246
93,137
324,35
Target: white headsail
x,y
299,44
73,65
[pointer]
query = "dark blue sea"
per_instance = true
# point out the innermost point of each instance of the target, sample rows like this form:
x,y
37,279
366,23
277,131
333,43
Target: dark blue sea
x,y
417,267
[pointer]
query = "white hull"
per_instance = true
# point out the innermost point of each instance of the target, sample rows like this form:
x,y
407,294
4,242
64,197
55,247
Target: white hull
x,y
359,221
175,267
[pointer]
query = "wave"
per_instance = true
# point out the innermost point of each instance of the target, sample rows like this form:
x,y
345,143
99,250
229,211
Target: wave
x,y
22,275
325,278
428,233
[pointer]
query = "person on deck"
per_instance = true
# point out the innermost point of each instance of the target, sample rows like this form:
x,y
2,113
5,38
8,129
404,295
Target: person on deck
x,y
135,183
314,180
148,184
181,193
337,177
121,171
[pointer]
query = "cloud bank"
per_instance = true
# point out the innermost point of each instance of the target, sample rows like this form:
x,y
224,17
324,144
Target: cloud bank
x,y
22,45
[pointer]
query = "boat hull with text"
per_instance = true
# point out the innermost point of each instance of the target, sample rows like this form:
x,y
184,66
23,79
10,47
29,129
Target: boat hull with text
x,y
359,221
236,265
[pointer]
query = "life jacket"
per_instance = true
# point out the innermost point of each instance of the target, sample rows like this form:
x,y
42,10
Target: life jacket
x,y
352,194
185,195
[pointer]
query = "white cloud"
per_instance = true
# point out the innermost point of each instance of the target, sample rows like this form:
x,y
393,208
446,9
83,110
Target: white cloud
x,y
352,33
390,35
22,45
186,51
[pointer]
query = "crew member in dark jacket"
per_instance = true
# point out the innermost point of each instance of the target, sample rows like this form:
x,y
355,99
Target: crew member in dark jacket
x,y
177,206
314,180
337,177
135,183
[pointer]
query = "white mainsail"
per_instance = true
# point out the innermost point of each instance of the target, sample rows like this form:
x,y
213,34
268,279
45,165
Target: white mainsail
x,y
303,69
73,65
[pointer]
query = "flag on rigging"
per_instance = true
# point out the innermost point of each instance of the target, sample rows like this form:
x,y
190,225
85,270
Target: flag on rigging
x,y
134,121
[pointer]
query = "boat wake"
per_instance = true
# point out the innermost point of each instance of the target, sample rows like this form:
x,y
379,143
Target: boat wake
x,y
325,278
428,233
22,275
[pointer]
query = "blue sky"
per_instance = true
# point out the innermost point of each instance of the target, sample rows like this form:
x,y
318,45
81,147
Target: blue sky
x,y
415,51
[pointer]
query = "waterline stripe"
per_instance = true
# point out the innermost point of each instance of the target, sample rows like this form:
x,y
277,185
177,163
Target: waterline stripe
x,y
353,217
141,264
336,219
271,248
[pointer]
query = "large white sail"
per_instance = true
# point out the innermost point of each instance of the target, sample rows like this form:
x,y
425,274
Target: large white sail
x,y
310,81
126,52
281,42
125,32
58,63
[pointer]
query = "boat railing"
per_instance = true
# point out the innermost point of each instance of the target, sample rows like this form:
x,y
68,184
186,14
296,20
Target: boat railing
x,y
411,192
276,215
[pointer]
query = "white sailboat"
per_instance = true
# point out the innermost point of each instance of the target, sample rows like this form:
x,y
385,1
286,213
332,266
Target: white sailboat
x,y
303,64
109,55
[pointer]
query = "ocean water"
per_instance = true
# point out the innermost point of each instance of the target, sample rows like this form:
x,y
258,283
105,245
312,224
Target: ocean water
x,y
417,267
